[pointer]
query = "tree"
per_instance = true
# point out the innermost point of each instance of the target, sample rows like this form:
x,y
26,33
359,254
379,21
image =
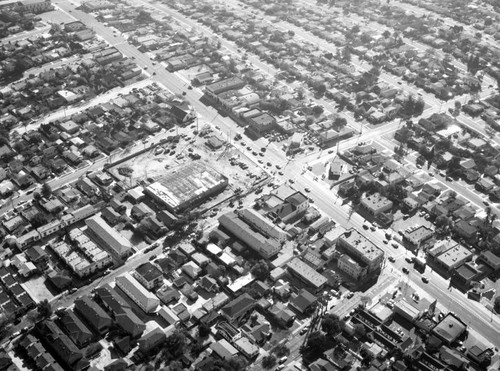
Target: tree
x,y
44,309
46,190
359,330
321,89
175,366
442,221
176,343
269,361
260,270
331,324
346,55
38,220
386,34
203,330
281,350
318,110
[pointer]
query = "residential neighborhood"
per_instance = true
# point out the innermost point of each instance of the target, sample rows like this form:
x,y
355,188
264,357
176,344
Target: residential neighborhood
x,y
249,185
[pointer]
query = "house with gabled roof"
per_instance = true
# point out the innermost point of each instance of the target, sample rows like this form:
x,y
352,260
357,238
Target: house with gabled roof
x,y
93,314
239,308
152,340
130,323
75,329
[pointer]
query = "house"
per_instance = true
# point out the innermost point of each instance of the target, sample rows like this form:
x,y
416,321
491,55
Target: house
x,y
93,314
75,329
238,309
87,187
282,315
140,211
246,347
152,340
208,284
191,269
184,113
292,207
304,301
223,349
37,255
110,215
148,275
147,301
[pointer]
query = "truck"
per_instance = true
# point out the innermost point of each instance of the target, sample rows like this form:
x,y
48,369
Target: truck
x,y
419,264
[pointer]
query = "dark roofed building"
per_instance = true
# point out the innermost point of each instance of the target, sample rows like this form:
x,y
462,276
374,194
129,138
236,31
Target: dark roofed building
x,y
111,300
93,314
130,323
148,275
304,301
239,308
449,329
152,340
75,329
61,345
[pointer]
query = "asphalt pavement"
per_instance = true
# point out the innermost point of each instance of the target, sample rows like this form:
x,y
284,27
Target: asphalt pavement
x,y
472,313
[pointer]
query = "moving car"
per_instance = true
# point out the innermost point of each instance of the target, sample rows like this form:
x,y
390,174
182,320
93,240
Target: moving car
x,y
425,279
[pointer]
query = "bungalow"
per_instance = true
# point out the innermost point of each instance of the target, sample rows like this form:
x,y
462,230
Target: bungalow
x,y
303,302
140,211
152,340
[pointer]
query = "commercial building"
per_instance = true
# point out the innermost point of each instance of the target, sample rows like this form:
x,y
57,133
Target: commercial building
x,y
348,265
265,247
35,6
108,237
147,301
449,329
218,87
187,186
417,236
454,257
361,249
376,204
291,208
307,274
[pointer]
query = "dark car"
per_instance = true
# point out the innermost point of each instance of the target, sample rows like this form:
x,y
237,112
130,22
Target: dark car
x,y
405,270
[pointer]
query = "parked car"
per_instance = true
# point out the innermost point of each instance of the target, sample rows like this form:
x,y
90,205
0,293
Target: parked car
x,y
405,270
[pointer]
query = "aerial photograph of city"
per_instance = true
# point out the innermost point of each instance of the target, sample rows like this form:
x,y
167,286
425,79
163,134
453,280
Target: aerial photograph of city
x,y
250,185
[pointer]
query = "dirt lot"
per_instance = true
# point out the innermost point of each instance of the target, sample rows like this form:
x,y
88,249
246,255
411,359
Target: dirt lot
x,y
153,164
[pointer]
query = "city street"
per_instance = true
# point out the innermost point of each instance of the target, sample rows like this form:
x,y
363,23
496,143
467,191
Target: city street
x,y
474,314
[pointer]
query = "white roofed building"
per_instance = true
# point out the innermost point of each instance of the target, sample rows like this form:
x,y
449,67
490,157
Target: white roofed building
x,y
146,300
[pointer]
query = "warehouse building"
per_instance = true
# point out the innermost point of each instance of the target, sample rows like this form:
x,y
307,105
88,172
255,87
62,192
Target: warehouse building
x,y
187,186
